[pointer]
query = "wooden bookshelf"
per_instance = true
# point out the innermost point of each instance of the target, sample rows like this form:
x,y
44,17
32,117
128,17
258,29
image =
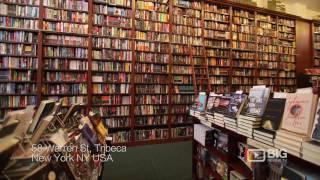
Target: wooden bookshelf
x,y
316,43
114,55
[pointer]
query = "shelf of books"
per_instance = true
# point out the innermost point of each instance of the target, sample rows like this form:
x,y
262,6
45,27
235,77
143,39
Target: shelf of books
x,y
112,55
287,54
152,53
217,43
186,37
65,51
316,44
244,124
19,30
267,58
243,49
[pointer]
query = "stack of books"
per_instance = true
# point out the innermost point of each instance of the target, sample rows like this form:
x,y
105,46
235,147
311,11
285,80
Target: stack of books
x,y
289,141
247,124
310,151
230,123
218,119
253,110
264,136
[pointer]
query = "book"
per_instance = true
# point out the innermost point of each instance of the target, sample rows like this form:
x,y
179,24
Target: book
x,y
299,113
212,102
235,175
235,105
257,100
38,132
316,125
45,108
272,116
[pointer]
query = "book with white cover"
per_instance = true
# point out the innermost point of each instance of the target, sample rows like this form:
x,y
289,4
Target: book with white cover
x,y
299,113
290,151
258,144
290,146
288,141
263,138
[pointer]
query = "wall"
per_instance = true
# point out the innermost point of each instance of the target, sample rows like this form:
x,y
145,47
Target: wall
x,y
304,8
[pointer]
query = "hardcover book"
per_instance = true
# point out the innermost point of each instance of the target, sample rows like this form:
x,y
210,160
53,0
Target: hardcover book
x,y
316,125
213,102
235,105
256,102
299,113
272,116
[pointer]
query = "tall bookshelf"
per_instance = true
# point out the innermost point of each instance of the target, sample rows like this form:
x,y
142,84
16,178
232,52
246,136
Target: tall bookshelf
x,y
267,50
19,30
217,43
65,51
112,52
243,49
134,60
287,54
316,43
152,48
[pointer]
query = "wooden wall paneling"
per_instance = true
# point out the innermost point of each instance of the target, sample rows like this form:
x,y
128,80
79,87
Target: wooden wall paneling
x,y
304,52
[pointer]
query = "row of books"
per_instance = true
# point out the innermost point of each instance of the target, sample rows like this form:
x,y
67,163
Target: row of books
x,y
107,54
182,131
80,5
112,11
23,63
110,88
111,66
17,10
16,101
152,36
64,64
150,110
13,88
152,57
152,89
18,49
151,120
152,134
101,20
152,6
69,89
9,75
121,136
117,122
65,76
111,111
112,43
152,16
111,78
64,15
151,99
122,101
64,27
111,31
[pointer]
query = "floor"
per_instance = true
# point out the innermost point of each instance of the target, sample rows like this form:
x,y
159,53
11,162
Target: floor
x,y
151,162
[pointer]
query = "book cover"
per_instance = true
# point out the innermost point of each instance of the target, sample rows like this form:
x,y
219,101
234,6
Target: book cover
x,y
256,102
212,102
298,114
316,125
272,116
202,100
235,105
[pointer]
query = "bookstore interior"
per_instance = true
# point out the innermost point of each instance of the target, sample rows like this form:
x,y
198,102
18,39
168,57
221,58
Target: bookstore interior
x,y
81,79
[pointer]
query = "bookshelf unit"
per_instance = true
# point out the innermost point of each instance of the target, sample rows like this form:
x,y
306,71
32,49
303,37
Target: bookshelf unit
x,y
65,51
186,27
316,43
112,55
152,53
133,60
243,51
287,54
19,31
267,52
217,43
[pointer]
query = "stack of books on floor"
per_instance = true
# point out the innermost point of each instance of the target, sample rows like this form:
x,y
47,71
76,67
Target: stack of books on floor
x,y
253,110
310,151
